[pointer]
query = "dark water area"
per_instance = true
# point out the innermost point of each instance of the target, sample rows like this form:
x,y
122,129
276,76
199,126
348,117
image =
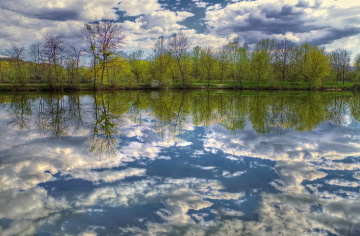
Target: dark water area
x,y
180,163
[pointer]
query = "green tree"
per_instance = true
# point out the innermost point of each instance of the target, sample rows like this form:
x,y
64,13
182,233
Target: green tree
x,y
195,57
242,64
261,60
137,68
315,64
207,63
223,58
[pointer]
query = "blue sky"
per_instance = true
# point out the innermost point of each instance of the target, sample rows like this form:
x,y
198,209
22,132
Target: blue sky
x,y
329,23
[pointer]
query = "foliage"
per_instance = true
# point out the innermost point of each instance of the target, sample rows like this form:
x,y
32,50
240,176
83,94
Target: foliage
x,y
270,64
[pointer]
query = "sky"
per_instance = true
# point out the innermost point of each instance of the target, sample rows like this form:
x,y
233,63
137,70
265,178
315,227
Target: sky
x,y
329,23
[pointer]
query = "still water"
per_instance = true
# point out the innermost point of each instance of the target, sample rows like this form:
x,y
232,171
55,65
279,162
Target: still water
x,y
181,163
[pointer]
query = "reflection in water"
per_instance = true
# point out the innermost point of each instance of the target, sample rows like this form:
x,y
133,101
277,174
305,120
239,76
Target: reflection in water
x,y
180,163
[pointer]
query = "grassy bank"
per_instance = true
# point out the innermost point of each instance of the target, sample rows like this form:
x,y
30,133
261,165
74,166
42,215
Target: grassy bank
x,y
330,86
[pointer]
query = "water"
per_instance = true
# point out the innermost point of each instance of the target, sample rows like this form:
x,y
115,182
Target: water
x,y
183,163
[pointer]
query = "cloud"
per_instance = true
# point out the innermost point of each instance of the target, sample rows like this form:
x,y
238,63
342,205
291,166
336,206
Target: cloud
x,y
319,21
49,157
24,20
293,173
167,20
16,205
324,22
106,176
293,146
200,4
343,183
63,10
139,7
305,164
179,196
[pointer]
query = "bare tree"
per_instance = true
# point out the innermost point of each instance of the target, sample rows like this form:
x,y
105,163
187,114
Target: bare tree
x,y
284,57
160,47
17,54
35,54
54,52
357,63
177,44
73,57
103,38
88,34
110,36
340,61
159,60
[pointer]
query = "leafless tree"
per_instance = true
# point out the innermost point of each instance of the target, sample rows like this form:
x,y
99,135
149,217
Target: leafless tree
x,y
88,34
357,63
340,61
103,38
160,60
17,54
177,45
35,54
73,59
54,52
284,57
110,36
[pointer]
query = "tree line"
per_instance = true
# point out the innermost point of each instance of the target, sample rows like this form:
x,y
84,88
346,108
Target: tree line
x,y
97,59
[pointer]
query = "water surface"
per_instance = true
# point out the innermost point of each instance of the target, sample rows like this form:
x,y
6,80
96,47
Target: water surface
x,y
180,163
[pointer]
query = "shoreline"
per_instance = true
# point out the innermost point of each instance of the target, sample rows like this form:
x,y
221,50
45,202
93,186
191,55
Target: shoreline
x,y
250,86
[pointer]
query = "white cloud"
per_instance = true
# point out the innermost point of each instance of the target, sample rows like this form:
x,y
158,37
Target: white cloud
x,y
106,176
84,10
343,183
139,7
23,20
29,205
178,195
294,146
323,21
200,4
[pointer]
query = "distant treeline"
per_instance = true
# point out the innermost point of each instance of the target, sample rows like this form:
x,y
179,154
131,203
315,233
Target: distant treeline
x,y
96,60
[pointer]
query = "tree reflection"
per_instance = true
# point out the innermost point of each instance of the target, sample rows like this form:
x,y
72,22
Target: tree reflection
x,y
101,115
103,139
20,112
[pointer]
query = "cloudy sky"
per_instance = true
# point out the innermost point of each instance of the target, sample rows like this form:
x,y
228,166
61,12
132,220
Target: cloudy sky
x,y
332,23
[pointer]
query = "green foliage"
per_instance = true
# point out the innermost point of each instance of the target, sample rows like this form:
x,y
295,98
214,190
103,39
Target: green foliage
x,y
315,64
269,65
261,60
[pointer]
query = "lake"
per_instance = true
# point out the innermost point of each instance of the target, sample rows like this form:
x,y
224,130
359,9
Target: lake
x,y
180,163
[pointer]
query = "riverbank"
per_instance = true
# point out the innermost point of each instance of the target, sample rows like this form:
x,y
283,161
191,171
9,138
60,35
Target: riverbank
x,y
275,86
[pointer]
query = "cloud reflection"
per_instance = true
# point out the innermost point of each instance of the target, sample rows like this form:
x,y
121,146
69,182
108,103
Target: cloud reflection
x,y
308,179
